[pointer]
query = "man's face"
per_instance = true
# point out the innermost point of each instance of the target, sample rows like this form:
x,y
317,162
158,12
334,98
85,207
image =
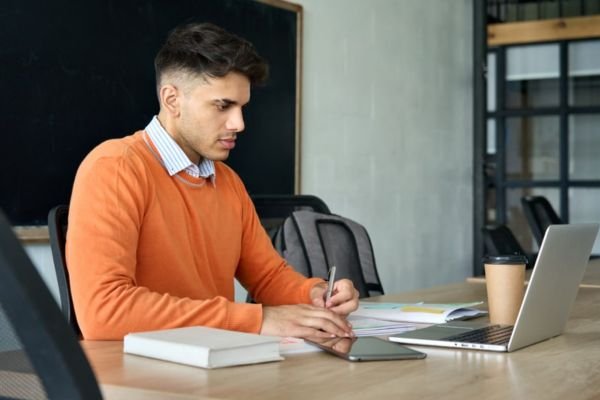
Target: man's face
x,y
210,116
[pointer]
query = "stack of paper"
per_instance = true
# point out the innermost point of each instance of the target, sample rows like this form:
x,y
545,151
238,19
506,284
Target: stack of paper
x,y
418,312
377,327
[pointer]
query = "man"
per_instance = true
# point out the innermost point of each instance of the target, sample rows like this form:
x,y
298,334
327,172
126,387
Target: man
x,y
159,226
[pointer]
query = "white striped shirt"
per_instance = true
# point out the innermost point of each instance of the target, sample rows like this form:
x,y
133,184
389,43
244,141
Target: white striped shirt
x,y
173,157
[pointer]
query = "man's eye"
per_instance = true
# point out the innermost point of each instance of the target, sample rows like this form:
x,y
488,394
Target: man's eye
x,y
222,107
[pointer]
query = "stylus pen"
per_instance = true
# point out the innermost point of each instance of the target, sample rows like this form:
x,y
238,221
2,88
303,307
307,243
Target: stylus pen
x,y
330,284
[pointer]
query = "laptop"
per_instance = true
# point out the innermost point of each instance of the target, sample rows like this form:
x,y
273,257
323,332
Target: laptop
x,y
553,286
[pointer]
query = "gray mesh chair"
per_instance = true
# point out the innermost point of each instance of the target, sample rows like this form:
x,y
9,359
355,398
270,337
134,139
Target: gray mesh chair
x,y
40,356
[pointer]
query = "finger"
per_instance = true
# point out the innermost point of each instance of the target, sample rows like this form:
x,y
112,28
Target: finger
x,y
318,294
344,286
319,318
318,302
319,333
307,332
343,346
344,293
328,322
331,342
345,308
330,328
350,298
339,298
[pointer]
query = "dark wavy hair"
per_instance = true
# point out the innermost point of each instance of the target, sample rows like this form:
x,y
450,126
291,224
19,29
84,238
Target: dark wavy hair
x,y
208,50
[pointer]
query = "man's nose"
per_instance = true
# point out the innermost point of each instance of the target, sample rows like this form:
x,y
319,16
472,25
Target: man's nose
x,y
235,122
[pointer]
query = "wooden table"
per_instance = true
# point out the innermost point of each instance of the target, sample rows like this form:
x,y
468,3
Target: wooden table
x,y
564,367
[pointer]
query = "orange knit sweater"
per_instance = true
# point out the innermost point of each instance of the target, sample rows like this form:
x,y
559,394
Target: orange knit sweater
x,y
148,251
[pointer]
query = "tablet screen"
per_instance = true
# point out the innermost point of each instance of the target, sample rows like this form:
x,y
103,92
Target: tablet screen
x,y
365,349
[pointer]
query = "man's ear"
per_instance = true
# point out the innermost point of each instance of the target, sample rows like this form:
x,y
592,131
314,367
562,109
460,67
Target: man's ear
x,y
169,99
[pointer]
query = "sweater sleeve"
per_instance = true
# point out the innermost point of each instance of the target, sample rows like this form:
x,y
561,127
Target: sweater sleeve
x,y
106,212
262,271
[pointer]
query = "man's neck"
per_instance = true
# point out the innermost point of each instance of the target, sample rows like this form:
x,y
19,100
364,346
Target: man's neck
x,y
169,126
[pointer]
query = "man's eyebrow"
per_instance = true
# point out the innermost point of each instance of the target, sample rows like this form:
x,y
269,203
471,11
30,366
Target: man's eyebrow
x,y
225,102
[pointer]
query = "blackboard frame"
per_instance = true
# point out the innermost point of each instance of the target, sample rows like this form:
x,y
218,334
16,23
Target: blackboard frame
x,y
38,232
296,8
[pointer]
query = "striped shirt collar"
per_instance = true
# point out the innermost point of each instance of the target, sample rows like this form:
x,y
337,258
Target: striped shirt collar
x,y
173,158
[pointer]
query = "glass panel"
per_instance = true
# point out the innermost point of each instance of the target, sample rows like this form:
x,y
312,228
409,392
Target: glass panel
x,y
584,207
573,8
532,94
532,62
511,13
532,148
491,136
548,9
491,82
592,7
532,76
544,9
584,143
584,73
515,218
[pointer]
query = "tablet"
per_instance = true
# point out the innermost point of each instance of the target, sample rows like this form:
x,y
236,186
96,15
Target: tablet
x,y
365,349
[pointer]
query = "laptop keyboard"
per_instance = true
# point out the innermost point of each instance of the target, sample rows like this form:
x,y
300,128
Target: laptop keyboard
x,y
494,334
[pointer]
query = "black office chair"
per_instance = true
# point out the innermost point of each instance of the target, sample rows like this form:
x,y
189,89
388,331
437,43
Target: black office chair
x,y
40,357
539,214
57,230
272,209
499,240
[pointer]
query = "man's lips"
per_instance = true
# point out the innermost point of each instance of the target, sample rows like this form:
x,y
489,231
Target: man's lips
x,y
228,143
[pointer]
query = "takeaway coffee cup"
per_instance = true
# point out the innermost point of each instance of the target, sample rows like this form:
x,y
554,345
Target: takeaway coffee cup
x,y
505,282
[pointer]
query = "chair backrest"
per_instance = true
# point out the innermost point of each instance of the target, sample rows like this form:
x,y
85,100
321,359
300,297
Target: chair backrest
x,y
540,215
499,240
272,209
313,242
57,230
40,356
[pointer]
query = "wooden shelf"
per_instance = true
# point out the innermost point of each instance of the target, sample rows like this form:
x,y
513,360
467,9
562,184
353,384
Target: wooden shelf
x,y
543,31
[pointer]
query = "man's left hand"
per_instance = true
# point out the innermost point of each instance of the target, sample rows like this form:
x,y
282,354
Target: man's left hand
x,y
343,301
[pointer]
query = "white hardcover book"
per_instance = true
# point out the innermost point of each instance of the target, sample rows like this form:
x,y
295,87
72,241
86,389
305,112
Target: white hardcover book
x,y
204,347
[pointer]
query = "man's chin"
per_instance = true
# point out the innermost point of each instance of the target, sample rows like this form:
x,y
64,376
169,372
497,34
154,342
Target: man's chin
x,y
221,156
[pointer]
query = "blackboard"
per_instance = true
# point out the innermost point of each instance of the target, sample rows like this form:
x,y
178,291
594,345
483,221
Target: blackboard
x,y
75,73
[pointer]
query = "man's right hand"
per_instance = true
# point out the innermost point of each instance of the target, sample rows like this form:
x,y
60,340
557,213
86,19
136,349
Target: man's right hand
x,y
303,320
